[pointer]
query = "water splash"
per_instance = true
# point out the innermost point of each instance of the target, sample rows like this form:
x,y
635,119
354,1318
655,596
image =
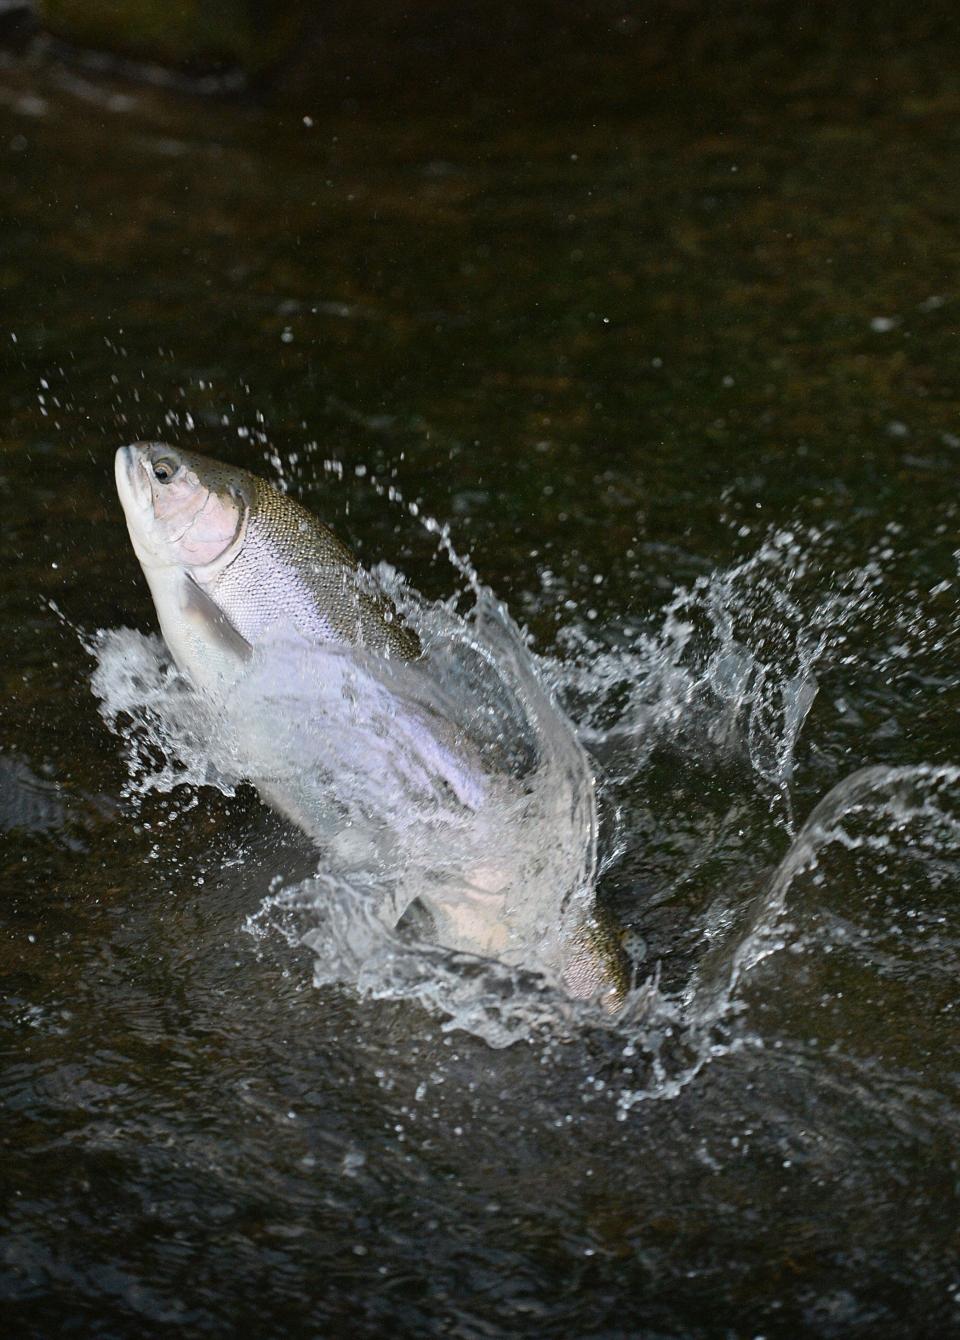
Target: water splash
x,y
874,810
338,919
730,669
902,825
455,798
168,733
453,784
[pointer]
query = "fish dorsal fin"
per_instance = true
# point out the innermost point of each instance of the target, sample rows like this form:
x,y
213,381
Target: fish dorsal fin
x,y
199,607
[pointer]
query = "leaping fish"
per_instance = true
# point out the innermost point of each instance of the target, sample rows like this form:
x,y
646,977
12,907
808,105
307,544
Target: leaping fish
x,y
230,560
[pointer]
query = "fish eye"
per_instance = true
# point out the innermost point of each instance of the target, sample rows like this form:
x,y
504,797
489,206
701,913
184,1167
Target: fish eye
x,y
164,468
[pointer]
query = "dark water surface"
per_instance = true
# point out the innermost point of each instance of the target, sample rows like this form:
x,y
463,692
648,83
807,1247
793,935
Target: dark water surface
x,y
701,335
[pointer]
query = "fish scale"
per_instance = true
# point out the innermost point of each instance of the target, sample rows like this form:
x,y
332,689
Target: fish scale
x,y
292,568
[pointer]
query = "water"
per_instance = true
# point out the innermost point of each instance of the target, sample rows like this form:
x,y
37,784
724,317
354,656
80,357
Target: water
x,y
677,375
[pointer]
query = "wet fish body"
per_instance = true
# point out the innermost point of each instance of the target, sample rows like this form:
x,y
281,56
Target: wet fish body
x,y
241,576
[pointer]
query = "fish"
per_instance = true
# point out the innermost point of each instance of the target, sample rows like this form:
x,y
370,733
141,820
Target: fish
x,y
228,557
234,566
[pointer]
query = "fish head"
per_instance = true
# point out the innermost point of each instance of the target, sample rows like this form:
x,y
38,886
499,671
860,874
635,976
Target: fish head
x,y
183,510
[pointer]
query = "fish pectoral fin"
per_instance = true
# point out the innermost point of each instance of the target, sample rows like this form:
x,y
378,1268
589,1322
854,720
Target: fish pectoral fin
x,y
200,608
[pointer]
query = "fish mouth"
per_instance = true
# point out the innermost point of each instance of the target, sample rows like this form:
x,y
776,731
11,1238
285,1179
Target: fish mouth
x,y
132,486
133,489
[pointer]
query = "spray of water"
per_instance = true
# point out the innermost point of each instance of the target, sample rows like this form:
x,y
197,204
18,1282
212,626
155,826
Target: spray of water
x,y
455,799
730,666
452,786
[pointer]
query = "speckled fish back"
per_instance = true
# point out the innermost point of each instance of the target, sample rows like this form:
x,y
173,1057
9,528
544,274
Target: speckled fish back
x,y
292,569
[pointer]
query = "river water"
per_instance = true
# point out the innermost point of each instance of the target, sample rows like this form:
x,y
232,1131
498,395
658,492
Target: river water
x,y
678,371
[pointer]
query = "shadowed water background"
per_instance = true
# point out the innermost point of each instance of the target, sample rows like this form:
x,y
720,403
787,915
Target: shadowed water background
x,y
670,342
